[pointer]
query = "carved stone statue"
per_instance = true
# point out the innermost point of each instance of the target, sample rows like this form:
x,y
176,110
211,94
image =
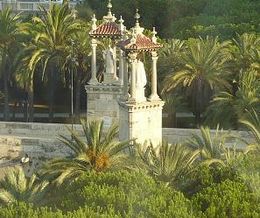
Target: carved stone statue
x,y
140,81
109,58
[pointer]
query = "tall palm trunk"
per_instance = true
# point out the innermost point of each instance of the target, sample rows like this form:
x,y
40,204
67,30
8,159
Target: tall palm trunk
x,y
51,93
198,101
30,100
6,93
78,89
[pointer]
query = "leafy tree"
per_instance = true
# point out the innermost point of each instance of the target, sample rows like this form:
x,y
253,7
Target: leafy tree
x,y
100,152
205,64
16,187
9,33
168,163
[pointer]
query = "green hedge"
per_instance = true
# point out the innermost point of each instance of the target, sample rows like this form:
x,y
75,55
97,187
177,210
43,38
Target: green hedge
x,y
227,199
23,210
128,194
204,176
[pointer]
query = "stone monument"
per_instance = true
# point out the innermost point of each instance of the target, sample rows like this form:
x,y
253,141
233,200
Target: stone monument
x,y
102,96
140,118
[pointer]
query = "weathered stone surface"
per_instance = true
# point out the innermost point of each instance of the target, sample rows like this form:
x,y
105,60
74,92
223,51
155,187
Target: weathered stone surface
x,y
141,121
41,139
102,101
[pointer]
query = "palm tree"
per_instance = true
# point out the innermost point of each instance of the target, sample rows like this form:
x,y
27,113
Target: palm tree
x,y
167,163
9,32
213,147
54,30
15,186
244,52
24,77
252,122
170,62
99,152
205,66
245,55
227,108
77,60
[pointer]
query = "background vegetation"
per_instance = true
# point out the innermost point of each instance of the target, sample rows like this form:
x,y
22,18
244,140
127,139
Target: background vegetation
x,y
37,58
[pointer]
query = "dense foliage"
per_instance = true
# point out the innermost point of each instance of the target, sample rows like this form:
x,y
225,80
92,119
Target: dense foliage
x,y
201,178
185,19
212,62
212,71
227,199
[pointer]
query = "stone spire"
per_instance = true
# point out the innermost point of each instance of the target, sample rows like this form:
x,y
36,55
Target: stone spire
x,y
154,38
109,17
137,29
109,7
137,17
94,22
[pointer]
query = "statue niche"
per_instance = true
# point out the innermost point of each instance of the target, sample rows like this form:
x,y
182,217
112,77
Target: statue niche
x,y
109,57
140,82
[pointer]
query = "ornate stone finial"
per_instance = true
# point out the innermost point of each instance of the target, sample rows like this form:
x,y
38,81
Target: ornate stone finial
x,y
109,6
109,17
121,24
94,22
137,17
137,29
154,38
121,21
114,18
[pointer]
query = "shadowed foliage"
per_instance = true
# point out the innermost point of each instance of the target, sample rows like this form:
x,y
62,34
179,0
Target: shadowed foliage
x,y
204,63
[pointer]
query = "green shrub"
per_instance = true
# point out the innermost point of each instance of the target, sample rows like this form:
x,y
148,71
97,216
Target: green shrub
x,y
128,194
227,199
23,210
204,176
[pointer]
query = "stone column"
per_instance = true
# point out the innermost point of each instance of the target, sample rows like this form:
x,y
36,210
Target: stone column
x,y
115,64
132,60
154,96
125,78
93,79
121,67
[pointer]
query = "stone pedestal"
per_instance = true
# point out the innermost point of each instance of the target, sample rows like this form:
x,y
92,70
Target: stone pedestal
x,y
141,121
110,79
102,102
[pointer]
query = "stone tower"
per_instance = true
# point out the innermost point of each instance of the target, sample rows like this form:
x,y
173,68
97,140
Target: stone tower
x,y
140,117
102,96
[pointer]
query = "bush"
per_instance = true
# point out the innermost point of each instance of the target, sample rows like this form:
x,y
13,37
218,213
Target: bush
x,y
227,199
128,194
204,176
23,210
